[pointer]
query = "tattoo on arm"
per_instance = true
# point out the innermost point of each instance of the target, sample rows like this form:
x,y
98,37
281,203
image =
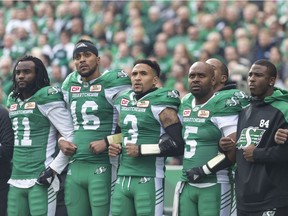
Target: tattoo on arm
x,y
168,117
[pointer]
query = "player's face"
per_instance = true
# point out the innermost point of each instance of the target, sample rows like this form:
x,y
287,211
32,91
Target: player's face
x,y
143,78
201,81
25,76
260,82
86,64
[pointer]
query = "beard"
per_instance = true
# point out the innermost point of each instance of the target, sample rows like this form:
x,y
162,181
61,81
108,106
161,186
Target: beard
x,y
29,87
88,73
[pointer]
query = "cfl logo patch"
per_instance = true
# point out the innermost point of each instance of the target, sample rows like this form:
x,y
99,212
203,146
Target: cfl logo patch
x,y
100,170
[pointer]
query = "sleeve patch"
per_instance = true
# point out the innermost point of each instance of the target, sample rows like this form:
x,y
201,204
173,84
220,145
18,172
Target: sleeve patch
x,y
53,90
122,74
173,94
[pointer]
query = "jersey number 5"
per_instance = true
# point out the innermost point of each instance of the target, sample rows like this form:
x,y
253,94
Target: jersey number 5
x,y
190,146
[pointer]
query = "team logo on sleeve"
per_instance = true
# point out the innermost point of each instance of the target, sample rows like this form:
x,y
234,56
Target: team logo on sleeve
x,y
173,94
143,103
30,105
122,74
203,113
53,90
75,89
124,102
186,113
95,88
13,107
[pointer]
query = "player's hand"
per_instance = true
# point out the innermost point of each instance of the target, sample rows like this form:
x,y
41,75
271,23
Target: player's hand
x,y
281,136
68,148
98,146
226,143
114,149
132,150
195,174
248,152
46,177
167,143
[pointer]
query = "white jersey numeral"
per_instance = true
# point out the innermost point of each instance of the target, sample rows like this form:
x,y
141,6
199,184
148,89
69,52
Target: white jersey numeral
x,y
133,131
26,140
190,144
89,122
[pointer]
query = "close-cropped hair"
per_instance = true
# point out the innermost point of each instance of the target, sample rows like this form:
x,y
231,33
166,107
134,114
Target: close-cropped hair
x,y
153,64
271,68
42,78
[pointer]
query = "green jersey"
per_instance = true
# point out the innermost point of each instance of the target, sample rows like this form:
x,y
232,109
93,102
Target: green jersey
x,y
203,127
35,137
93,113
140,124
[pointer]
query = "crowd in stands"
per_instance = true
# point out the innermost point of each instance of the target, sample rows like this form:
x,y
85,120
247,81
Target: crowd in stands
x,y
175,33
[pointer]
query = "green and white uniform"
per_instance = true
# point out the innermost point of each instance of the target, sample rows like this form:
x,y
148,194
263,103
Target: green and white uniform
x,y
139,187
35,121
203,126
88,188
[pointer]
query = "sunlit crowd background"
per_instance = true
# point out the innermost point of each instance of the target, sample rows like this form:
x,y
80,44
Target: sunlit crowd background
x,y
175,33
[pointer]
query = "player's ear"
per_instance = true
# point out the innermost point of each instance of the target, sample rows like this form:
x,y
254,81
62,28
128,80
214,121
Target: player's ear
x,y
213,80
223,78
155,80
272,81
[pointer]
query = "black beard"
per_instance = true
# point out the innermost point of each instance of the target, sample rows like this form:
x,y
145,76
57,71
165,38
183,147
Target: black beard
x,y
89,73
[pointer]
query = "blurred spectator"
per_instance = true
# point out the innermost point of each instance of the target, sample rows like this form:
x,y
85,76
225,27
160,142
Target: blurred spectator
x,y
106,61
50,31
182,20
164,59
6,67
178,73
42,43
76,28
98,33
244,49
137,51
153,24
139,37
93,14
282,74
62,18
249,14
63,51
7,49
230,16
231,54
20,19
56,77
112,25
194,44
182,56
119,37
123,57
228,37
206,25
263,45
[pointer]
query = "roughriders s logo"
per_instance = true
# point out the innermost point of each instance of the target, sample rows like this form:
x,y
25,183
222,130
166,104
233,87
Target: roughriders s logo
x,y
269,213
100,170
250,135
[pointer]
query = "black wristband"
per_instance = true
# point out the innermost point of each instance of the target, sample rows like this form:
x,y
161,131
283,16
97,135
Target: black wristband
x,y
139,150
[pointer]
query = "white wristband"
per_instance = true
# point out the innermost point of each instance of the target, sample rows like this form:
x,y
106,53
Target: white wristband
x,y
61,138
206,170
